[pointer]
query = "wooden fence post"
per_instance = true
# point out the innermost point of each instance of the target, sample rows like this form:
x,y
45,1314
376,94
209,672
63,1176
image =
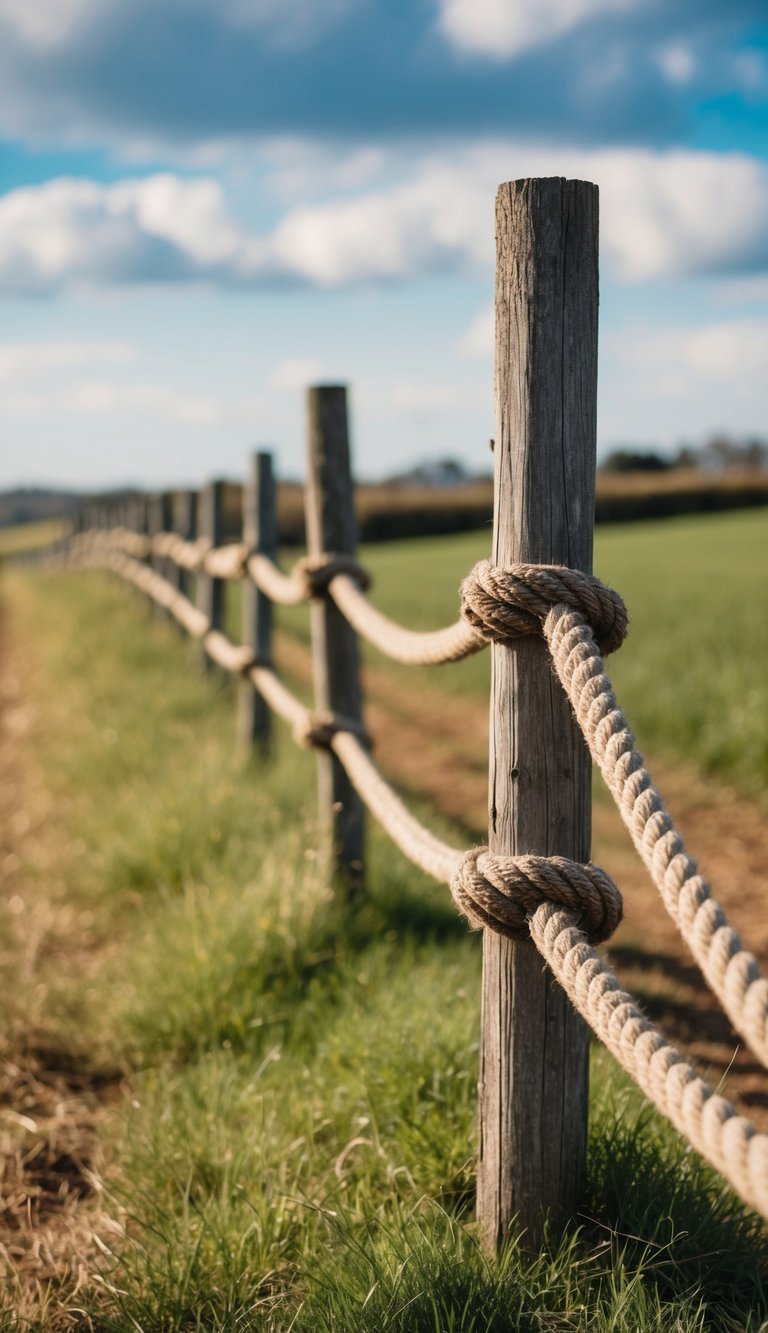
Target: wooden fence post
x,y
332,529
210,591
185,524
534,1047
260,534
159,521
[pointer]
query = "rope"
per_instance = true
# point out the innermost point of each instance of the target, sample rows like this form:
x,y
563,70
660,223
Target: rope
x,y
309,578
504,603
312,576
503,891
403,645
731,971
710,1123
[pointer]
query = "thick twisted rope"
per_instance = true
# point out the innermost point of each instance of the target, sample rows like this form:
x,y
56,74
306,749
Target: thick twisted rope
x,y
502,604
731,971
503,891
727,1140
415,647
497,602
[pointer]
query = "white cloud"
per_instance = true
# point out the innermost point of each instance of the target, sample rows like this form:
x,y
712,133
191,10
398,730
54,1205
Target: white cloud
x,y
41,24
663,215
677,63
477,342
731,353
45,24
429,402
33,361
154,402
78,232
684,382
503,28
748,290
296,373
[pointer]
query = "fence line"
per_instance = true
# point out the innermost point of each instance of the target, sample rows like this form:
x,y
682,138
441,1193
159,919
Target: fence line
x,y
536,611
710,1123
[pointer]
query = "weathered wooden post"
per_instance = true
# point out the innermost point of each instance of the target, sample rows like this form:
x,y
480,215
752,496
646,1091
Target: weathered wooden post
x,y
534,1048
159,521
260,534
185,524
210,591
332,529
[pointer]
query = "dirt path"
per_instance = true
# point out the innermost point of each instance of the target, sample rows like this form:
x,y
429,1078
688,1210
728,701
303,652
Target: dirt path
x,y
436,746
51,1103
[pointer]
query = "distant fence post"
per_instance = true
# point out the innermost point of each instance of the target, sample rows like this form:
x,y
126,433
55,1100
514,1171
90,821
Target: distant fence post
x,y
159,521
533,1058
210,524
332,529
185,524
260,534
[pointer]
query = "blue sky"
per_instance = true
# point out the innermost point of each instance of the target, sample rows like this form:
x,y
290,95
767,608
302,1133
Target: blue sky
x,y
205,206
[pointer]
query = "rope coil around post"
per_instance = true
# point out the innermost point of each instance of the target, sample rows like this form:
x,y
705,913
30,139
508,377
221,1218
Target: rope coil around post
x,y
581,620
503,891
504,603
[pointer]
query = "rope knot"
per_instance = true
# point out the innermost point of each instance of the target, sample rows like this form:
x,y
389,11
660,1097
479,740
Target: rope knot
x,y
503,603
503,892
317,730
317,572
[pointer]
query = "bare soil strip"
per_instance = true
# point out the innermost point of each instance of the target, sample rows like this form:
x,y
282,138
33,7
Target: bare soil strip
x,y
52,1102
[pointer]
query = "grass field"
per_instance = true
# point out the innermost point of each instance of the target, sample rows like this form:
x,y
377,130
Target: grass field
x,y
22,537
691,674
283,1091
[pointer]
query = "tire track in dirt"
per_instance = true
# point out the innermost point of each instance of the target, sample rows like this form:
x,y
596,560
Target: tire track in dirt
x,y
437,746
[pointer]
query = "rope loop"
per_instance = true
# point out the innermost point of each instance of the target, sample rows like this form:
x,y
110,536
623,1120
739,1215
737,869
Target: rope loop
x,y
503,603
317,571
503,892
317,730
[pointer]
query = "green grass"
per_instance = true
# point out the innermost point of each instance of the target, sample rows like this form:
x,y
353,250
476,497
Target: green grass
x,y
293,1145
691,675
19,538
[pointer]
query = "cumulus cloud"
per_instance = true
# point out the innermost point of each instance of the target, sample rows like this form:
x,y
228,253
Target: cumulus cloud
x,y
128,72
684,382
663,215
79,232
503,28
731,353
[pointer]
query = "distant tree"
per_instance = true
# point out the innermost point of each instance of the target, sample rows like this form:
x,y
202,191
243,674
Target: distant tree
x,y
721,451
634,460
756,453
687,456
